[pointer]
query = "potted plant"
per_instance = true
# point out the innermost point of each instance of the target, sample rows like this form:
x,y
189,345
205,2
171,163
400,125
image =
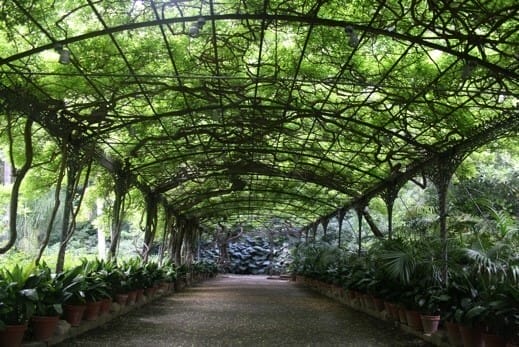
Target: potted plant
x,y
17,304
498,313
180,282
48,306
135,278
117,283
430,301
96,289
151,277
103,290
170,275
470,315
74,286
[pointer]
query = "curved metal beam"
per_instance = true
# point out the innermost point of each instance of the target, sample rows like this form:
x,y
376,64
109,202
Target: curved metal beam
x,y
310,20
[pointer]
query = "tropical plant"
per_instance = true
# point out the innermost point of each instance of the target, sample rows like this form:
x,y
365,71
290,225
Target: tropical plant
x,y
17,298
96,287
430,300
74,285
182,271
205,267
111,275
495,270
116,280
152,274
170,272
51,293
135,275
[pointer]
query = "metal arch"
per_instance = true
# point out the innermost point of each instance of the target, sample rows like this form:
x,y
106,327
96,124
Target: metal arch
x,y
377,182
201,197
218,207
288,18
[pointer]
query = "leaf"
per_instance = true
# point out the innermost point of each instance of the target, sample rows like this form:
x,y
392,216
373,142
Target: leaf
x,y
475,313
58,308
31,294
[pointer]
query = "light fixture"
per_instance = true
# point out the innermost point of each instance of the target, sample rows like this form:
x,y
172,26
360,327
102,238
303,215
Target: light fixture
x,y
194,29
354,39
64,54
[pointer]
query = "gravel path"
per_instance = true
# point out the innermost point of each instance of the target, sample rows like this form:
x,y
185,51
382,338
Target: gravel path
x,y
248,311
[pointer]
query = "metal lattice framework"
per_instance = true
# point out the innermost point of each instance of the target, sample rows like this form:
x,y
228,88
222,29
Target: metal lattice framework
x,y
252,109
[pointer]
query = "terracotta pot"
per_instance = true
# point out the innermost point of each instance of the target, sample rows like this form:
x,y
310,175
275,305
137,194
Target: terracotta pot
x,y
92,310
181,284
12,335
121,299
401,315
388,310
471,337
430,323
413,320
393,311
106,304
492,340
74,314
340,292
367,302
149,292
454,334
350,294
165,287
132,296
140,295
43,327
378,304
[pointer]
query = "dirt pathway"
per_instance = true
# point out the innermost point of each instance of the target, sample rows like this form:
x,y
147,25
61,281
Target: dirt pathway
x,y
245,311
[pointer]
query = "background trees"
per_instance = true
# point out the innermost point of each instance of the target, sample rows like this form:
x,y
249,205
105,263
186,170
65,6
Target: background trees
x,y
199,113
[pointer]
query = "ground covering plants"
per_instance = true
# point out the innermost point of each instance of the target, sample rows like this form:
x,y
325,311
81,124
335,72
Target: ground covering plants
x,y
30,291
480,287
160,119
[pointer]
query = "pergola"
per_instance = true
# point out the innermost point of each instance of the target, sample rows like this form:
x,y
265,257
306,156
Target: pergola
x,y
245,110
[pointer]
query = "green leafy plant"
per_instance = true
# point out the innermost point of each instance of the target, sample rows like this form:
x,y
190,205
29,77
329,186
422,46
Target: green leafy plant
x,y
113,277
96,287
135,275
430,300
51,293
182,271
17,298
170,272
74,285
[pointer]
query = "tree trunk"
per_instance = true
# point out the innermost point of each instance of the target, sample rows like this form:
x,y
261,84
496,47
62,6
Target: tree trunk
x,y
222,238
72,173
373,226
117,217
19,176
55,209
69,213
151,224
178,240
